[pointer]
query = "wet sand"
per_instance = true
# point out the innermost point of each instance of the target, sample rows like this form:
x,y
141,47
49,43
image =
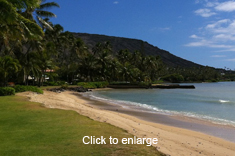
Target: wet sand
x,y
171,139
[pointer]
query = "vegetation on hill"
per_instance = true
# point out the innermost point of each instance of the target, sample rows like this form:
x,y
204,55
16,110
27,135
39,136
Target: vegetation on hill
x,y
33,50
120,43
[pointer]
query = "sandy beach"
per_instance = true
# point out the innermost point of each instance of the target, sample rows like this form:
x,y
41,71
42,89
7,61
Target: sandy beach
x,y
173,140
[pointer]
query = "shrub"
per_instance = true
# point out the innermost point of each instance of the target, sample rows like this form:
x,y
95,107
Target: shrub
x,y
52,83
19,88
87,85
101,84
138,84
64,86
175,78
93,85
7,91
61,83
158,81
144,84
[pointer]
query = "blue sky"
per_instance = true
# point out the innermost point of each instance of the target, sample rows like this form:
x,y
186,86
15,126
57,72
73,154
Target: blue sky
x,y
202,31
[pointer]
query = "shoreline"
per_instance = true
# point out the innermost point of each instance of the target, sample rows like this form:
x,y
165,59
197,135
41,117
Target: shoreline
x,y
172,140
180,121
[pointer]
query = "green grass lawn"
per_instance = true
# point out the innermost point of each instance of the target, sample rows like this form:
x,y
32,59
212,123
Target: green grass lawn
x,y
27,128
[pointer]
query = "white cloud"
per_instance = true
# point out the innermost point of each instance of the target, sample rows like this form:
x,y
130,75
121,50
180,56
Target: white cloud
x,y
200,1
224,37
196,44
165,29
223,27
195,36
218,56
218,34
217,23
214,7
205,12
215,45
207,3
209,42
197,1
233,60
160,29
200,43
211,4
228,6
115,2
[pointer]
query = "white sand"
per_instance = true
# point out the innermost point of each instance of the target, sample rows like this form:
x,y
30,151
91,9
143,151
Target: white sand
x,y
172,140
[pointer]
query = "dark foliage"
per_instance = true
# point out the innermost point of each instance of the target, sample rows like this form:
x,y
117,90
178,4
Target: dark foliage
x,y
4,91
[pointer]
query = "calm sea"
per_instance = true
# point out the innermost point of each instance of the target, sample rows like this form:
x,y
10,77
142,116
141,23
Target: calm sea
x,y
209,101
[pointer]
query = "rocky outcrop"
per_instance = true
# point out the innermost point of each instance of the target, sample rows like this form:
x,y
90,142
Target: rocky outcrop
x,y
75,89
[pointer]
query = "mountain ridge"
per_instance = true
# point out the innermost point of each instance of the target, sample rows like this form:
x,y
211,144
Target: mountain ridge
x,y
120,43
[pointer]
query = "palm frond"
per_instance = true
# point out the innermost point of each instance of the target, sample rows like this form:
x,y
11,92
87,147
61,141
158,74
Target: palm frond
x,y
45,13
48,5
43,23
31,28
22,4
8,13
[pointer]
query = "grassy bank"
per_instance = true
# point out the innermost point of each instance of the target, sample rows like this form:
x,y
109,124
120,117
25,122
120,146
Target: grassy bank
x,y
27,128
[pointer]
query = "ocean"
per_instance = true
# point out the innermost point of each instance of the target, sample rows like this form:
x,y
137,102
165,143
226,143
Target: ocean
x,y
214,102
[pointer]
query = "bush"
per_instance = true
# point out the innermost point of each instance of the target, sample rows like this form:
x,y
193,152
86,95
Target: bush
x,y
120,83
101,84
52,83
144,84
7,91
93,85
158,81
61,83
174,78
64,86
55,83
19,88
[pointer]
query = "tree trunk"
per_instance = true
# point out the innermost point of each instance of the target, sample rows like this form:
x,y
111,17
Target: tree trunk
x,y
27,80
5,79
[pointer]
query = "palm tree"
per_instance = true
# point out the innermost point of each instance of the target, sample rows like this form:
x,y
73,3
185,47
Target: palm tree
x,y
40,13
14,26
152,66
30,66
45,62
87,64
136,59
8,66
103,57
124,56
126,72
114,69
54,35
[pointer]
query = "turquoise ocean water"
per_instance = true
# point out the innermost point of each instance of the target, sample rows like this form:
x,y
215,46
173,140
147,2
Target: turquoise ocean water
x,y
209,101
